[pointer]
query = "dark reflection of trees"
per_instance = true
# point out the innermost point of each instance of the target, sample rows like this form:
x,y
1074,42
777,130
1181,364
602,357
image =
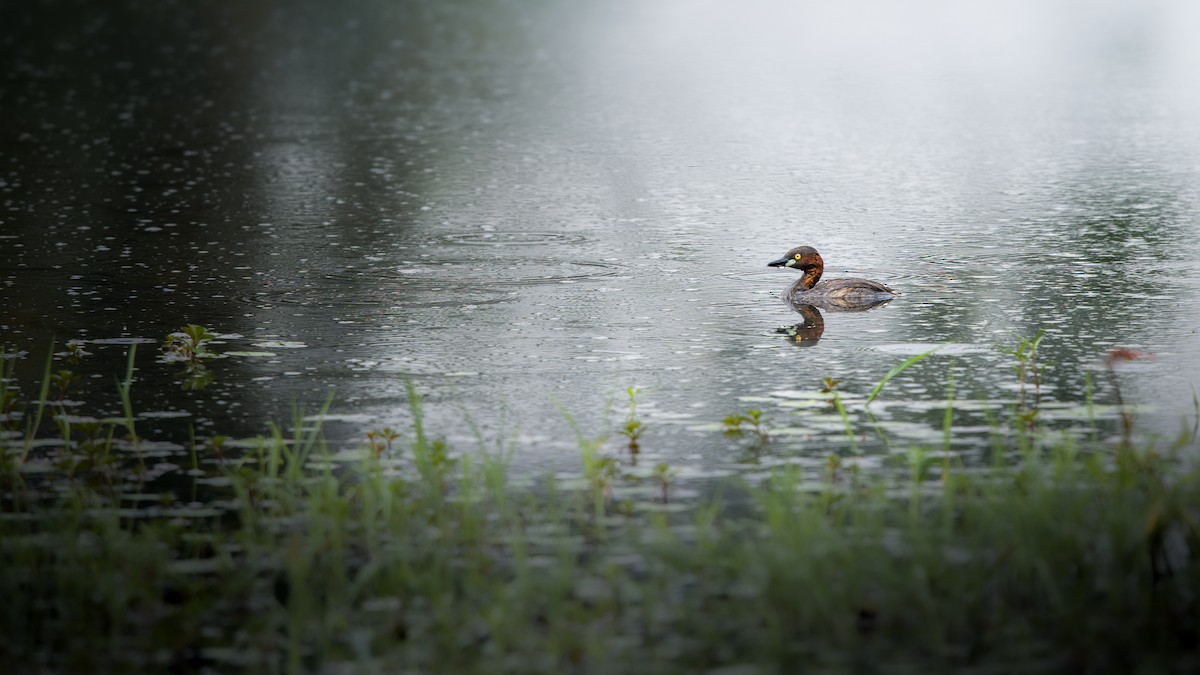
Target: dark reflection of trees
x,y
126,132
147,144
204,121
217,119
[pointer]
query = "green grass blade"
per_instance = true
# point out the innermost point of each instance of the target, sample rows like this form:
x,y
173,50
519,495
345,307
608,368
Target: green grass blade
x,y
837,403
41,407
948,419
904,365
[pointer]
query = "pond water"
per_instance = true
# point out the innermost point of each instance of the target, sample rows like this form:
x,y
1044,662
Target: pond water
x,y
527,207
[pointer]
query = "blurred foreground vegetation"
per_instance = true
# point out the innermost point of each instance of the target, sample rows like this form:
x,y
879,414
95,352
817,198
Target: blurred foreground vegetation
x,y
404,555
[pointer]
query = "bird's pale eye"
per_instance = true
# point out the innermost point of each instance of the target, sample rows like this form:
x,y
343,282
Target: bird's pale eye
x,y
797,256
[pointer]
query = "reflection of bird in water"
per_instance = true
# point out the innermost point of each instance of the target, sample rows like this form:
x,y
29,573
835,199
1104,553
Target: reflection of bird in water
x,y
807,332
832,294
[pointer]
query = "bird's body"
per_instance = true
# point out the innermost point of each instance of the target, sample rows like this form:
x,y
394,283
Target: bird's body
x,y
845,293
846,289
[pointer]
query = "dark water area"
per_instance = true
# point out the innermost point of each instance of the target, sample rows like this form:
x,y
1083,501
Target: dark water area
x,y
527,207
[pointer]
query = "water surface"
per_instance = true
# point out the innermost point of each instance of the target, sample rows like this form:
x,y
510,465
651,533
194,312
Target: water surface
x,y
525,208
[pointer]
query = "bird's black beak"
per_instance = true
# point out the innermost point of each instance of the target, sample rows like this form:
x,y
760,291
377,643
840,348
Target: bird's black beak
x,y
782,262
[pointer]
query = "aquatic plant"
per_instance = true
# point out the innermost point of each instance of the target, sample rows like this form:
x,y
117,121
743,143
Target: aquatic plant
x,y
61,381
1027,367
735,425
189,346
216,444
1113,358
34,423
189,343
663,473
124,387
9,397
833,463
632,428
381,439
599,471
829,386
76,351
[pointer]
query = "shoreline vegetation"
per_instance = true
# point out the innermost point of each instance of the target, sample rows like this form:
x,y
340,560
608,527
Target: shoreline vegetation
x,y
1060,553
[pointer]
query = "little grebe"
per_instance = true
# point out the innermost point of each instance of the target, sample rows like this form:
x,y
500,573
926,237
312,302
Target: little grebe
x,y
831,293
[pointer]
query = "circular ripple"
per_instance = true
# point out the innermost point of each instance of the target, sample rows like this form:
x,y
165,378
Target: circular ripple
x,y
555,272
510,238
